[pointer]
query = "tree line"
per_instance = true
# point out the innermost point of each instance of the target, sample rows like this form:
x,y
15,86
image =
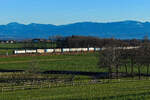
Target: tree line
x,y
80,42
90,41
135,59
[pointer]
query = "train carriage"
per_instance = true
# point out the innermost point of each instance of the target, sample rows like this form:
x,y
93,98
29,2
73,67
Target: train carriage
x,y
97,49
57,50
72,50
78,49
31,51
65,50
19,51
84,49
49,50
40,51
91,49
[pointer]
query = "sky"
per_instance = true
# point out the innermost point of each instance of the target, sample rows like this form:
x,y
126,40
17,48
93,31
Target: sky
x,y
60,12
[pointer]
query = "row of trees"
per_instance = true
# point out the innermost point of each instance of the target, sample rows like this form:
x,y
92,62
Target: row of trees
x,y
113,58
89,41
41,45
80,41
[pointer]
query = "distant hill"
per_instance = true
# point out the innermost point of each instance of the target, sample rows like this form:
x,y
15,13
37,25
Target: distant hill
x,y
122,30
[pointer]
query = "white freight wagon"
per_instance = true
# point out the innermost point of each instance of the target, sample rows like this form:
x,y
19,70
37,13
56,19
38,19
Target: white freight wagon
x,y
78,49
84,49
132,47
104,48
19,52
97,49
65,50
57,50
40,51
30,51
90,49
72,49
49,50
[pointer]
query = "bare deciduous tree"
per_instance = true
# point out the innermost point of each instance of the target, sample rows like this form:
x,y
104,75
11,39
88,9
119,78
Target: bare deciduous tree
x,y
110,58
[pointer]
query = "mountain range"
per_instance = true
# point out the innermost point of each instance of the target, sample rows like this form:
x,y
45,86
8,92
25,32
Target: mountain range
x,y
122,30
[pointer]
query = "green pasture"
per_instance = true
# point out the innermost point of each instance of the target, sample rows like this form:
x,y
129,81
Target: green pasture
x,y
6,51
78,62
23,45
134,90
70,62
10,45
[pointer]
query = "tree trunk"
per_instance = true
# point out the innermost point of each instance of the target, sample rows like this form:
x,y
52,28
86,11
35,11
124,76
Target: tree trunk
x,y
126,69
132,65
147,71
139,72
110,72
117,71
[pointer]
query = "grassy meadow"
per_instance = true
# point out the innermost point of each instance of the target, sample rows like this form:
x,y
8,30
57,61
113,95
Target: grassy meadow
x,y
78,62
22,45
69,62
135,90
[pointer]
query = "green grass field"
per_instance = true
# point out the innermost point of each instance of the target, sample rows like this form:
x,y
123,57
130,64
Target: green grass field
x,y
135,90
11,46
5,51
79,62
21,45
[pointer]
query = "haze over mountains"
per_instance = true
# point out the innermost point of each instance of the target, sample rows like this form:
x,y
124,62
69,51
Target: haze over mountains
x,y
122,30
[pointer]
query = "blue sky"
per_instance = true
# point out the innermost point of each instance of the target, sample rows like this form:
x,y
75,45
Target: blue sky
x,y
69,11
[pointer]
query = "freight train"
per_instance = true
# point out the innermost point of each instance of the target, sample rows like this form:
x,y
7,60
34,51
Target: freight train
x,y
64,50
56,50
